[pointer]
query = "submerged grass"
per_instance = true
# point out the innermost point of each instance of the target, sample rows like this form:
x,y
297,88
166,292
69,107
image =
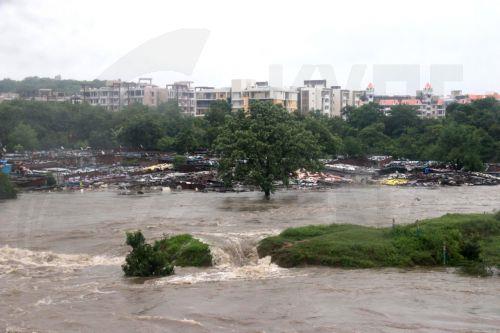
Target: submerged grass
x,y
470,241
184,250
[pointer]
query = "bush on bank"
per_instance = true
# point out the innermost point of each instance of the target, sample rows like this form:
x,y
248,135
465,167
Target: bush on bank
x,y
159,259
7,190
470,241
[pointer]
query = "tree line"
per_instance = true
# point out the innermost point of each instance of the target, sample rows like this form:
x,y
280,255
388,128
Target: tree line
x,y
467,137
29,86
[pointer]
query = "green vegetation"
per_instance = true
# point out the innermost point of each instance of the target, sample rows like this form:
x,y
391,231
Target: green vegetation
x,y
30,85
184,250
159,259
51,180
179,160
7,190
469,241
23,137
265,146
466,138
144,260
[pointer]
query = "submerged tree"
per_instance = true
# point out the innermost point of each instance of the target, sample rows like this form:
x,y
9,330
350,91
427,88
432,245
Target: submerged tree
x,y
265,146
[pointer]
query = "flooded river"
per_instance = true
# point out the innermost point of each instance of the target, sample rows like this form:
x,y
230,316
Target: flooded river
x,y
60,257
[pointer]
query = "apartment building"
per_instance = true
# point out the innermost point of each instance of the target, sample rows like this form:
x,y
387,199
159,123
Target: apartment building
x,y
425,103
315,96
245,91
238,101
49,95
117,94
343,98
184,94
207,95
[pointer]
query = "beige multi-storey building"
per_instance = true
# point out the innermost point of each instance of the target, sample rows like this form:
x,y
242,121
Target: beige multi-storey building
x,y
207,95
315,95
117,94
245,91
184,94
341,98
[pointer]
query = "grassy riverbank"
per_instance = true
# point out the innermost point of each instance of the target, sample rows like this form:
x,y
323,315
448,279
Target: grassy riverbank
x,y
470,241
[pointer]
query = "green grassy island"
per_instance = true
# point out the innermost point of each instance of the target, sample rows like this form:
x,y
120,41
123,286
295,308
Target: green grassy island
x,y
468,241
159,259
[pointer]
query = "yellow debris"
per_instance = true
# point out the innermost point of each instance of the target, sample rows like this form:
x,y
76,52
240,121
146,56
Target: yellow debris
x,y
395,181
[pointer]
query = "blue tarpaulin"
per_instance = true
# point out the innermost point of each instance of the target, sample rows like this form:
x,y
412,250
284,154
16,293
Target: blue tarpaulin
x,y
4,167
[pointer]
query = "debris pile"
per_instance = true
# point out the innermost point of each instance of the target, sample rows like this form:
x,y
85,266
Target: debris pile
x,y
140,172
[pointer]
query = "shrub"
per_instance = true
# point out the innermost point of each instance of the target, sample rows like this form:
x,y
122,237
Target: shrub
x,y
51,180
471,250
476,269
179,160
143,260
7,190
159,259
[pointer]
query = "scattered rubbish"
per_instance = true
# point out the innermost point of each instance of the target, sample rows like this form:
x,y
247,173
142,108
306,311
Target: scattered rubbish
x,y
133,173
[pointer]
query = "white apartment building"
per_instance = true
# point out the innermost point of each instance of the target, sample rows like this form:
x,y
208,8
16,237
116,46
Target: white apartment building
x,y
117,94
245,91
330,101
341,98
237,88
315,96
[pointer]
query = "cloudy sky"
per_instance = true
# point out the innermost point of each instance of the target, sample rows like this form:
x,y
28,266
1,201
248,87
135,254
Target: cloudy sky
x,y
81,39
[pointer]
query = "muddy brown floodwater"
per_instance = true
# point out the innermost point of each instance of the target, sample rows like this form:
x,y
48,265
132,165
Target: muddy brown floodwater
x,y
60,257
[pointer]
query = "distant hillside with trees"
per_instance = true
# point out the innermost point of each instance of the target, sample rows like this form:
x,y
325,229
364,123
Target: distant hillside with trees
x,y
30,85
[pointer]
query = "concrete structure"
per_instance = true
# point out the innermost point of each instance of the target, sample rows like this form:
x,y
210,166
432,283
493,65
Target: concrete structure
x,y
315,96
8,96
207,95
49,95
184,94
343,98
117,94
245,91
238,101
425,103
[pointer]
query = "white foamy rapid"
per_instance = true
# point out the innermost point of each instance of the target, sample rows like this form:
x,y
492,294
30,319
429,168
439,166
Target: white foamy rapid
x,y
14,259
234,258
261,270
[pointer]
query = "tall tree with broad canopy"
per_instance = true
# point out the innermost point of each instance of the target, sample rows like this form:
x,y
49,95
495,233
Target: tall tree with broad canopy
x,y
264,146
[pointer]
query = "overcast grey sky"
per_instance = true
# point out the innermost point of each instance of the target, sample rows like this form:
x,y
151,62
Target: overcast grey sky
x,y
80,39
